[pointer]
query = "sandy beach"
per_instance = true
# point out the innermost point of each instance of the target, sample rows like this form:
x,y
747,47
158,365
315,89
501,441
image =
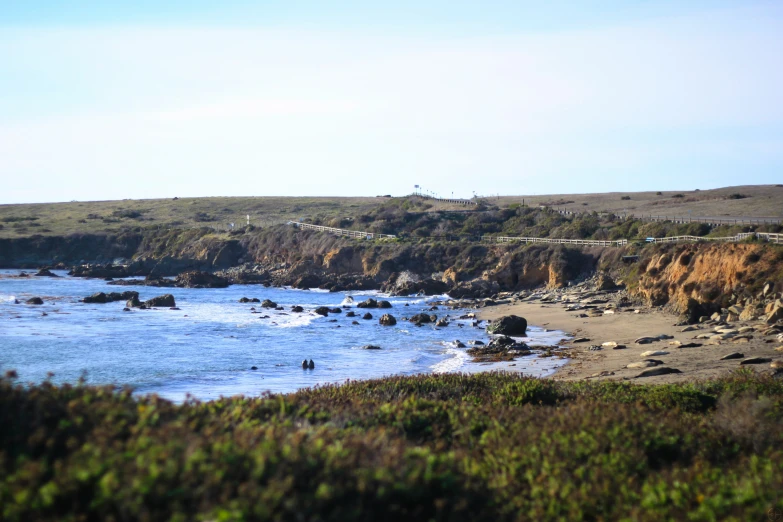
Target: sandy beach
x,y
624,327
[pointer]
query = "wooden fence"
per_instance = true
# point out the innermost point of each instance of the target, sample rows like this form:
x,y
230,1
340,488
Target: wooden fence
x,y
466,202
712,221
341,231
549,240
764,236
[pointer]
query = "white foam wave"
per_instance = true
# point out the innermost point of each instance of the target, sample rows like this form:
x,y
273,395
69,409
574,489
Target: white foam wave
x,y
454,363
5,298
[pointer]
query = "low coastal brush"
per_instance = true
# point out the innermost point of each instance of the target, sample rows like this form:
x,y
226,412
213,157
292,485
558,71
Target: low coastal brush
x,y
446,447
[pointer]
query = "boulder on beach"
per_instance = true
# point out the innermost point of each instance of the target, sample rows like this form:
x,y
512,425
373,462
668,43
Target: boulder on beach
x,y
387,320
508,325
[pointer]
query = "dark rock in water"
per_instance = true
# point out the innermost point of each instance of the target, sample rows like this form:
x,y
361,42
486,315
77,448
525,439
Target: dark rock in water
x,y
421,319
322,310
508,325
354,322
280,308
370,347
304,364
367,316
250,300
99,271
134,302
503,340
126,309
369,303
34,301
101,297
735,355
45,272
350,314
459,344
442,323
254,367
425,287
384,304
652,372
335,310
197,279
267,303
162,301
298,309
387,320
756,360
311,365
175,308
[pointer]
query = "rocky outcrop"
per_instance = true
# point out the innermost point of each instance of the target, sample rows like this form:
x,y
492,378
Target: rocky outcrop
x,y
197,279
698,280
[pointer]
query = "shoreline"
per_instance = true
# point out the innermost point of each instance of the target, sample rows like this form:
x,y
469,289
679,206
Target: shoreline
x,y
624,326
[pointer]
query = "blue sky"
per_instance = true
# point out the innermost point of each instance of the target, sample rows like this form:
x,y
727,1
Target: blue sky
x,y
161,99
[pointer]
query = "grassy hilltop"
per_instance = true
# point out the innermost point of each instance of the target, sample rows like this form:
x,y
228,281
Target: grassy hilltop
x,y
114,216
449,447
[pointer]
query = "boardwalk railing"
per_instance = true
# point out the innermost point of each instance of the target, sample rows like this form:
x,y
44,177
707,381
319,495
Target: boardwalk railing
x,y
765,236
467,202
713,221
341,231
583,242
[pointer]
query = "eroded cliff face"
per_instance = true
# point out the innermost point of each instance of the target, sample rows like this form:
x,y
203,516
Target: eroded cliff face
x,y
674,275
721,274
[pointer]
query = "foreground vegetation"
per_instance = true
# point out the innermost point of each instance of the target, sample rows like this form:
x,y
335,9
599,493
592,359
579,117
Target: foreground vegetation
x,y
481,447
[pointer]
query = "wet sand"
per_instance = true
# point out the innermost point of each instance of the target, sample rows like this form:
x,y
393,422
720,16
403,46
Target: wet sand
x,y
624,327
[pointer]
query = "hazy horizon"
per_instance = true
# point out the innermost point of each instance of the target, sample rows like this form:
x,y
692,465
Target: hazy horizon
x,y
143,101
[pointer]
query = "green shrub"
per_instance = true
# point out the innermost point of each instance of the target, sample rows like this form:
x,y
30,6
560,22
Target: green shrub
x,y
479,447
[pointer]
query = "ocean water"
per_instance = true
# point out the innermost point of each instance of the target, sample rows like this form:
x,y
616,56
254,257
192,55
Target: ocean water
x,y
207,348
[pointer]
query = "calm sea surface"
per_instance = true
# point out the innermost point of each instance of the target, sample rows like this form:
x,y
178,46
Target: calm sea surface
x,y
207,348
